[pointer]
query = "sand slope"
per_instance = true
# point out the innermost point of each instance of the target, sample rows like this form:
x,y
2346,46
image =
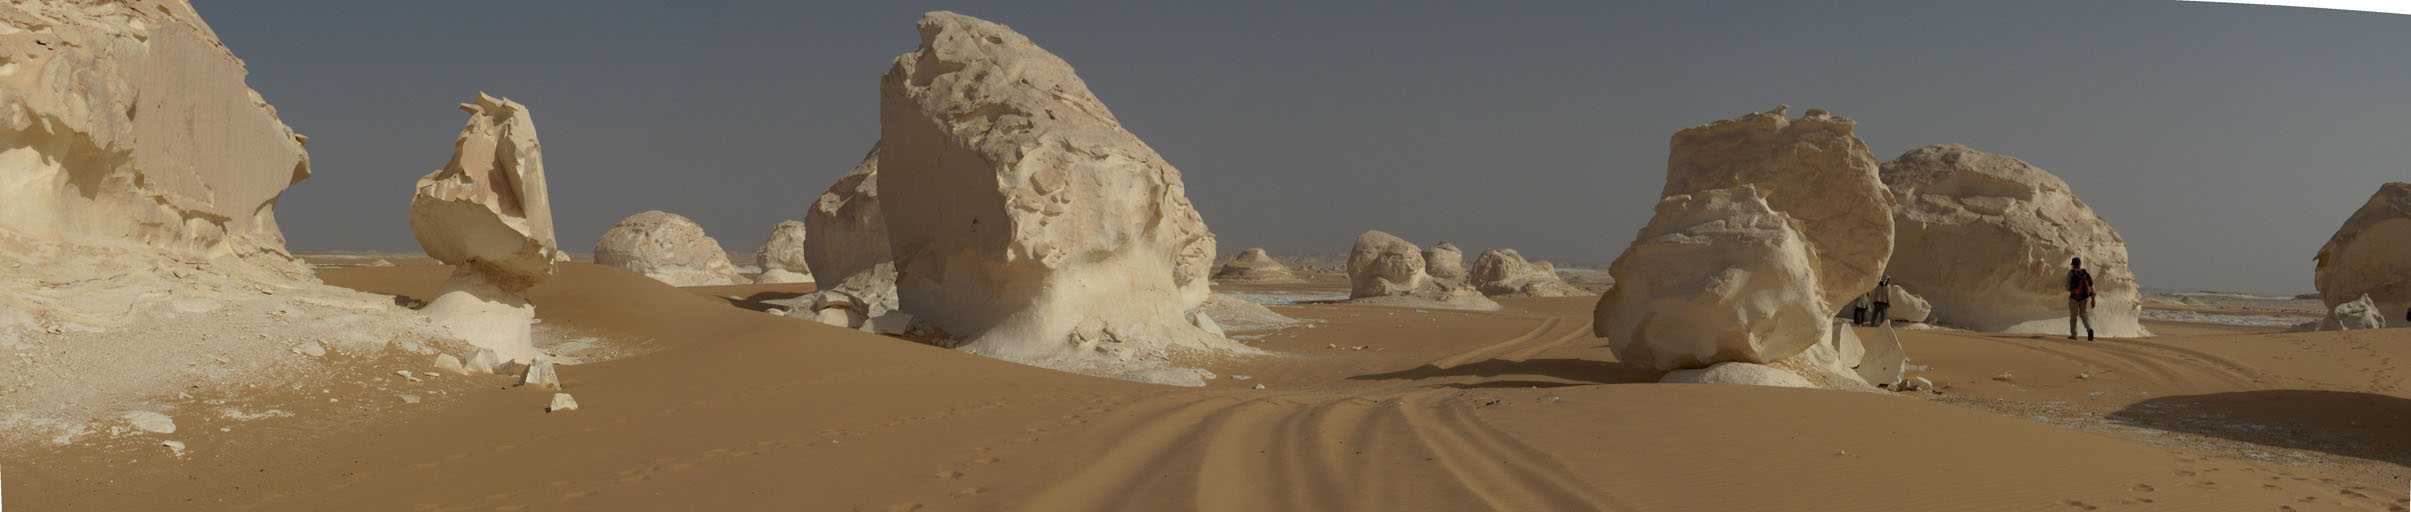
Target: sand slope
x,y
1515,410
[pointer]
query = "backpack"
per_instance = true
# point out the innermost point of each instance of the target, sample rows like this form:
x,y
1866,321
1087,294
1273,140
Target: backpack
x,y
2080,284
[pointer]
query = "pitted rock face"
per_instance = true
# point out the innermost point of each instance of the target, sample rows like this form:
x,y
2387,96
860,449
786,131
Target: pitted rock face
x,y
129,124
488,208
1444,261
1717,276
1812,169
784,251
1986,240
668,248
2366,256
850,232
1505,272
1022,217
1255,265
1381,264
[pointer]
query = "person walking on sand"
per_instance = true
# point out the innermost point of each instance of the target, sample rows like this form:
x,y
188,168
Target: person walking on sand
x,y
2080,298
1883,303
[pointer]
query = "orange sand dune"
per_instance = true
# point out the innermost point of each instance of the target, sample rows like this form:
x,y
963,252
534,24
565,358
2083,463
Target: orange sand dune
x,y
1515,410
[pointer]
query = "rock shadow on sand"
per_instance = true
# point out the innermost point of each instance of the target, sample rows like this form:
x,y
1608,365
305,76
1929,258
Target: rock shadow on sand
x,y
2358,425
1579,371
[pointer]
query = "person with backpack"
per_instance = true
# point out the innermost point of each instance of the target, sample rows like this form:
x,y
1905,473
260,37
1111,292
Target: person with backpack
x,y
1883,303
2080,298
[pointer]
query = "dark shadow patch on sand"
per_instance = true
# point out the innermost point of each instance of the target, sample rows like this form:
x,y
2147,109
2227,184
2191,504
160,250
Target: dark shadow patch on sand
x,y
1512,384
1578,370
760,301
2359,425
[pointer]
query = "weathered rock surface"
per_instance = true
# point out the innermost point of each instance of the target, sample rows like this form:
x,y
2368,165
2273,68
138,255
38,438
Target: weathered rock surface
x,y
1986,239
1812,169
1716,276
1504,272
1255,266
849,232
781,258
488,213
1025,221
562,402
2357,314
1386,270
1908,307
2366,256
1444,261
667,247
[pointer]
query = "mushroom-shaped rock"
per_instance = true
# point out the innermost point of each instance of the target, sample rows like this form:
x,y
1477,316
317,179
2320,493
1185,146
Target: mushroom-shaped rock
x,y
2371,254
668,248
849,232
781,258
1025,221
1505,272
1986,239
488,214
1811,169
1255,266
1444,261
1716,276
1908,307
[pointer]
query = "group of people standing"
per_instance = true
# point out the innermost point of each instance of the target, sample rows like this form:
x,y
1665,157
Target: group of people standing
x,y
1881,300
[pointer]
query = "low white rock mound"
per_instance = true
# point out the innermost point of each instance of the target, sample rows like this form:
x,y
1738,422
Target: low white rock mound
x,y
1505,272
1986,239
666,247
1255,266
2366,256
1745,374
781,258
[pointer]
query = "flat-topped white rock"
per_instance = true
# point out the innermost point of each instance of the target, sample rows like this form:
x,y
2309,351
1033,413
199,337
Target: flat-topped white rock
x,y
2367,255
1255,266
1812,169
1025,222
1986,239
1716,276
488,214
1505,272
1390,271
667,247
781,258
849,232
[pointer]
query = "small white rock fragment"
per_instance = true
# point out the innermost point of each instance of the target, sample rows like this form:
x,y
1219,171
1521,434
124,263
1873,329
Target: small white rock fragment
x,y
152,422
484,361
450,363
541,375
310,348
406,375
174,446
1259,386
562,402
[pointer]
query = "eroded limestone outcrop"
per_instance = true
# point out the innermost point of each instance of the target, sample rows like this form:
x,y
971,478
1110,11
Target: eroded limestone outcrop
x,y
1390,271
1505,272
781,258
1255,266
1986,240
667,247
488,214
2370,255
1717,276
850,233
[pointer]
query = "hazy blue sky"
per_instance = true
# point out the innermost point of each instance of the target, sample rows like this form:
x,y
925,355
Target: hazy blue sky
x,y
2226,142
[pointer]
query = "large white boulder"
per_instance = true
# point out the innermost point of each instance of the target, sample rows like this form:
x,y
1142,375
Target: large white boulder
x,y
2368,254
1444,260
1812,169
1389,271
667,247
781,258
849,232
1255,266
1505,272
1716,276
1907,307
2358,314
1026,223
488,213
1986,239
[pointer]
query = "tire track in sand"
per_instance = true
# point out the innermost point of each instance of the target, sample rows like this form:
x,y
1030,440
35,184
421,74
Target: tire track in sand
x,y
1516,348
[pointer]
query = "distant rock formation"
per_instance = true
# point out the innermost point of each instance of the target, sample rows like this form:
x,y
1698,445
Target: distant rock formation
x,y
1026,223
2358,314
1504,272
1717,276
849,232
1386,270
1445,261
1255,266
781,258
1987,238
2367,255
666,247
488,214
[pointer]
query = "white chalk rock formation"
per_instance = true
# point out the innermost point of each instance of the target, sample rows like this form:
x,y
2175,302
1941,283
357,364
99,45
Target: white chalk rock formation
x,y
2367,255
667,247
1504,272
781,258
849,232
1234,314
1811,169
1390,271
488,214
1025,221
1908,307
1255,266
1884,359
2360,313
1744,374
1716,276
1986,239
562,402
1444,261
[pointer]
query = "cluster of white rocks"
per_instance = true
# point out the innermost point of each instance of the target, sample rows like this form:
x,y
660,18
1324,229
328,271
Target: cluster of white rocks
x,y
1386,270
